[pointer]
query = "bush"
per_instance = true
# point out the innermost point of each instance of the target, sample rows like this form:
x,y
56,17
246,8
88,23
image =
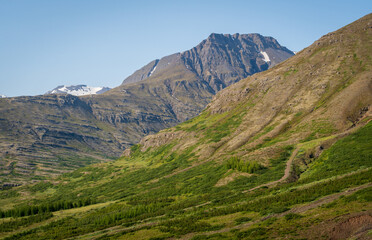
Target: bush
x,y
236,163
255,233
291,216
242,220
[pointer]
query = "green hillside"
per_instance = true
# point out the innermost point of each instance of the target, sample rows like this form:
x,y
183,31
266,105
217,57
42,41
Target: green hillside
x,y
283,154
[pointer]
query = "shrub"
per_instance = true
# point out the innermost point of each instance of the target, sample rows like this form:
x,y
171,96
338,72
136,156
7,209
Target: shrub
x,y
242,220
291,216
236,163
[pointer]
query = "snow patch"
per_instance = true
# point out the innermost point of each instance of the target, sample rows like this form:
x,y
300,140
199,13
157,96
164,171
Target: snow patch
x,y
152,71
153,68
78,90
64,89
266,57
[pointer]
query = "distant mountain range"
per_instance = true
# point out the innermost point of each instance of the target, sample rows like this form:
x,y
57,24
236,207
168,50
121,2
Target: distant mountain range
x,y
78,90
55,133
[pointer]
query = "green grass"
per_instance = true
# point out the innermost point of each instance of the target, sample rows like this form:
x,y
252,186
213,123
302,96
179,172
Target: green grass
x,y
150,187
139,198
364,195
9,226
348,154
236,163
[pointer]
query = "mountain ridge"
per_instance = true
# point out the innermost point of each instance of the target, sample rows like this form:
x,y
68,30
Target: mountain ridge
x,y
58,133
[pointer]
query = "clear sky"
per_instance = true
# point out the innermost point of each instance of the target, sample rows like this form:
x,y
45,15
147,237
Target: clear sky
x,y
46,43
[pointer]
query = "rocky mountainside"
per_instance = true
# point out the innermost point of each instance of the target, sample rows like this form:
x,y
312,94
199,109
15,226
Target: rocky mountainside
x,y
78,90
51,134
282,154
323,90
221,59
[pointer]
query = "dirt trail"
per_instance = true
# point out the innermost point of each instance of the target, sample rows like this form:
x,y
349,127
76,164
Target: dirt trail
x,y
299,209
324,200
288,164
285,176
290,160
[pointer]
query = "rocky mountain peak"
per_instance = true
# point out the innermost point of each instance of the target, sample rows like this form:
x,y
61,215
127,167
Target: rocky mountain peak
x,y
238,40
220,59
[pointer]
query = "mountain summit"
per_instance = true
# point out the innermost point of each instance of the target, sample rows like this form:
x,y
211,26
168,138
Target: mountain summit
x,y
221,59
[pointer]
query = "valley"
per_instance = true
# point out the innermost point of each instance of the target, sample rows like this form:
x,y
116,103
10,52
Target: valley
x,y
282,154
47,135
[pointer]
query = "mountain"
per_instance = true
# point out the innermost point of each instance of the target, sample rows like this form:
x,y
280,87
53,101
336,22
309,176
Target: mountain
x,y
282,154
220,60
78,90
55,133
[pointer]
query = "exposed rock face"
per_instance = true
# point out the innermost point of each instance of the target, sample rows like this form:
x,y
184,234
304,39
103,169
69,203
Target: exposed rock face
x,y
225,59
221,59
55,133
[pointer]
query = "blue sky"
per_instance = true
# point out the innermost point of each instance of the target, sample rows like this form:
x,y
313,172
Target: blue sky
x,y
46,43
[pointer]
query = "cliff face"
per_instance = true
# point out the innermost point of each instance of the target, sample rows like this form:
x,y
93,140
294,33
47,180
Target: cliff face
x,y
50,134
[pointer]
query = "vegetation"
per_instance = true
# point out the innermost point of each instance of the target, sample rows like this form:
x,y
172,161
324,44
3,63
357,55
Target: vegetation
x,y
167,200
348,154
12,225
236,163
45,208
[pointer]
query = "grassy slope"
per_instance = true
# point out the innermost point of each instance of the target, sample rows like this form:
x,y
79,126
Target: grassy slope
x,y
167,187
163,205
